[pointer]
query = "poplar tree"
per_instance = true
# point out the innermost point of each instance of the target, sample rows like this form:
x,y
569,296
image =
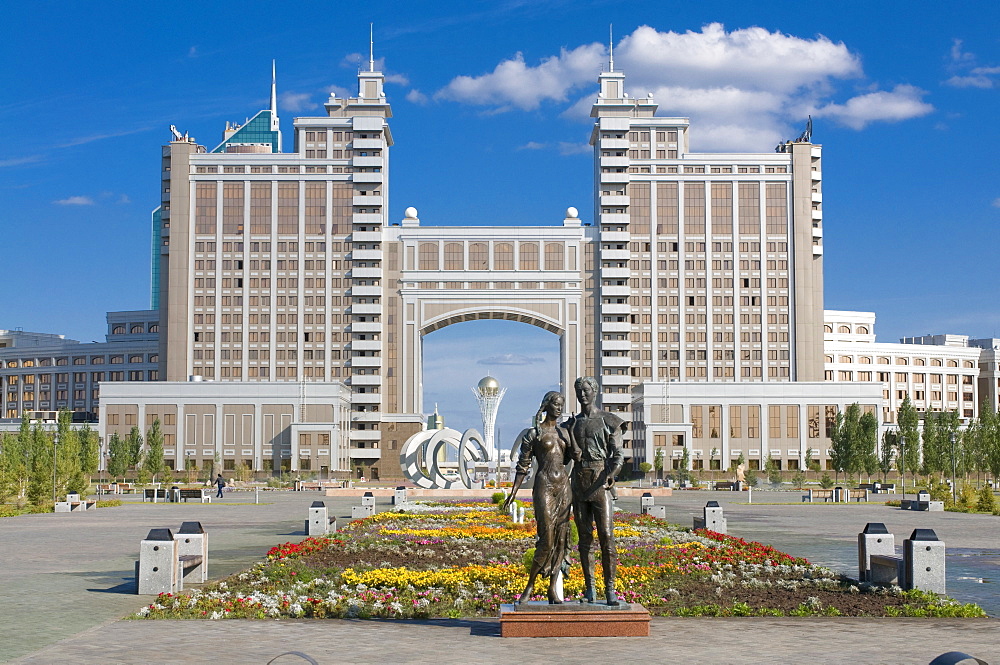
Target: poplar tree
x,y
153,462
117,456
910,438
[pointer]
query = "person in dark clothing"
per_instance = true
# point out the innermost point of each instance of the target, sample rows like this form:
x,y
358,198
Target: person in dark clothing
x,y
220,482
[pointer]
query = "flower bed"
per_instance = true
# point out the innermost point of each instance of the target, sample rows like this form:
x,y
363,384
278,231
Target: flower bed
x,y
462,561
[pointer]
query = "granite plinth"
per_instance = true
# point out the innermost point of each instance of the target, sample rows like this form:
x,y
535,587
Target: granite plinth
x,y
571,619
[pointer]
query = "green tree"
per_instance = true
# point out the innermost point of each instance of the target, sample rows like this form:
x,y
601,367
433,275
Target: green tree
x,y
133,448
658,461
772,471
867,440
90,450
683,469
69,474
811,464
117,456
886,458
987,445
909,438
41,458
15,465
838,445
153,462
932,461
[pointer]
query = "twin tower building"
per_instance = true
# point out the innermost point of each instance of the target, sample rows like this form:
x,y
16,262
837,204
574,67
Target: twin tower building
x,y
292,304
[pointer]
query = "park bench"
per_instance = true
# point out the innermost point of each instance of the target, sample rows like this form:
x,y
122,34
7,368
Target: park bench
x,y
319,522
727,486
124,488
922,565
885,569
857,494
200,494
107,488
152,494
826,495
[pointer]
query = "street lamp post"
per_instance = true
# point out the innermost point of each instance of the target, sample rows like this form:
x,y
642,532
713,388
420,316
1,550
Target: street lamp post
x,y
953,493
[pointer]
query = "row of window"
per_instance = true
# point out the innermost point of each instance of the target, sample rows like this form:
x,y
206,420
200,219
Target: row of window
x,y
78,360
920,362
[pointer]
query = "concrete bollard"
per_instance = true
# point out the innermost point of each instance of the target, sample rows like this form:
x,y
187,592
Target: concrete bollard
x,y
318,523
156,570
368,499
646,502
923,561
713,518
875,539
358,512
192,539
399,496
657,511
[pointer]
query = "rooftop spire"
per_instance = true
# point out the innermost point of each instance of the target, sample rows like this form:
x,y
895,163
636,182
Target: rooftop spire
x,y
611,46
371,47
274,91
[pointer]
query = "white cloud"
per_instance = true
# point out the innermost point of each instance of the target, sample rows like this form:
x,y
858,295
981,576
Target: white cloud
x,y
193,52
75,201
510,359
902,103
967,74
416,97
996,202
296,101
566,148
533,145
123,199
18,161
744,90
338,91
512,83
400,79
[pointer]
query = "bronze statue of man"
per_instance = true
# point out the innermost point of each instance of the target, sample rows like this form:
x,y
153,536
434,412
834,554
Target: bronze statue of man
x,y
596,437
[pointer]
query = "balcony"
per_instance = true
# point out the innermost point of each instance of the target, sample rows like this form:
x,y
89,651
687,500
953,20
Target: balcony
x,y
364,453
366,254
365,435
365,162
615,273
365,273
366,308
367,176
368,144
366,326
614,144
817,197
367,218
614,200
614,161
366,416
616,254
360,290
367,399
616,361
369,200
817,214
366,361
616,327
367,380
366,236
366,344
614,218
612,291
615,236
614,177
613,309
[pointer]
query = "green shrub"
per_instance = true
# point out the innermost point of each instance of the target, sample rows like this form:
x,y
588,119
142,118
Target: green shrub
x,y
529,556
498,497
985,501
826,482
751,477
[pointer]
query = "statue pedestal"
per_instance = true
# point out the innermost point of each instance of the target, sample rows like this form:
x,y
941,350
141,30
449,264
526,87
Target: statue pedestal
x,y
573,619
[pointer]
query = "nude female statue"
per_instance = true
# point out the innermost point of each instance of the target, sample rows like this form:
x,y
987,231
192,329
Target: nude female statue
x,y
549,444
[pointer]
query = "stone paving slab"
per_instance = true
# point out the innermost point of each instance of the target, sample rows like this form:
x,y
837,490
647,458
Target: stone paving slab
x,y
66,573
828,641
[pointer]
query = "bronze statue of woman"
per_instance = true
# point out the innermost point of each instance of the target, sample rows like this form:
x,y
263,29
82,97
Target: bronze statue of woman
x,y
550,445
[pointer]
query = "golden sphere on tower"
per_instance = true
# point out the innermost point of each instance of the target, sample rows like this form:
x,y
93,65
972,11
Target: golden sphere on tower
x,y
488,386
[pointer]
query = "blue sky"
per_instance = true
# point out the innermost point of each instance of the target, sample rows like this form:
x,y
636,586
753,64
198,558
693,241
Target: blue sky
x,y
490,105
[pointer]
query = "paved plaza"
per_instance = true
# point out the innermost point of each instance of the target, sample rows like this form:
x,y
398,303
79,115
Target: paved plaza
x,y
68,579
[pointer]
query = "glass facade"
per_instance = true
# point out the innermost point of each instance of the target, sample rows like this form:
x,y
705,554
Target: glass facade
x,y
257,130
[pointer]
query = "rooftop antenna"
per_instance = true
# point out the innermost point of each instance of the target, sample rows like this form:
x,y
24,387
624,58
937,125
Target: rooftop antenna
x,y
371,47
611,46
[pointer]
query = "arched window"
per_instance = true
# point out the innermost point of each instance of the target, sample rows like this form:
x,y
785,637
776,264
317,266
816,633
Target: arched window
x,y
454,256
503,258
529,255
828,359
554,256
428,256
479,257
865,360
902,361
844,329
137,329
862,330
118,330
154,327
828,328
